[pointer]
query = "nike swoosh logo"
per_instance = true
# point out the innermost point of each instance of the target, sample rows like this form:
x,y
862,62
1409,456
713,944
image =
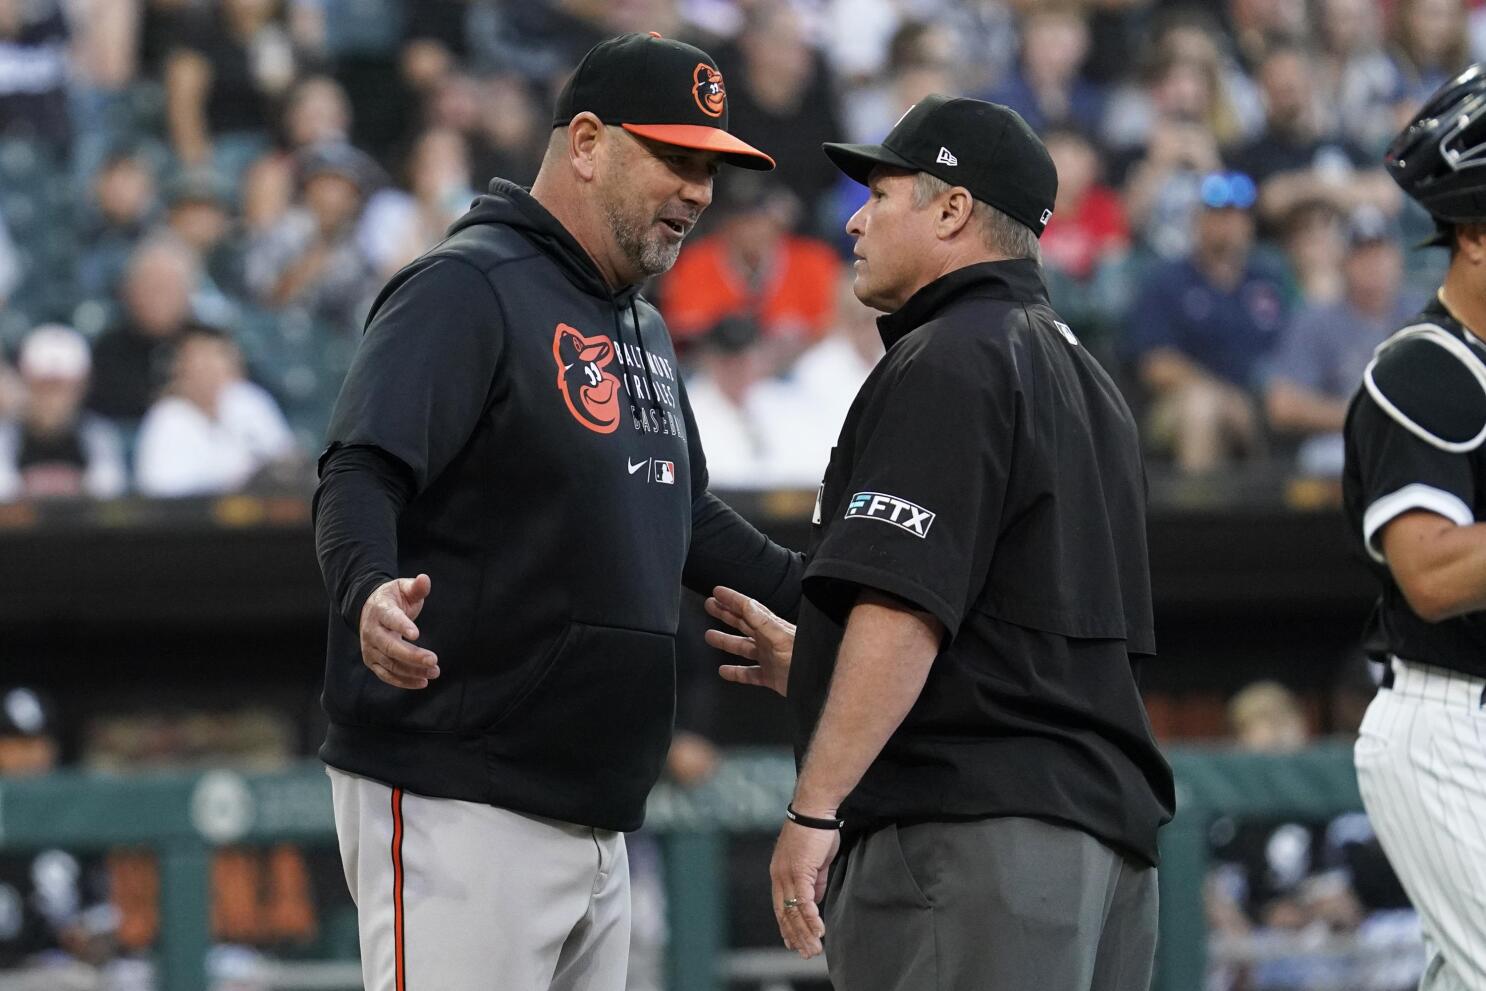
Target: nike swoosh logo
x,y
636,467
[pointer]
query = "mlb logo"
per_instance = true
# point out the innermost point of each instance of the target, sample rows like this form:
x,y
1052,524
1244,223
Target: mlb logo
x,y
665,472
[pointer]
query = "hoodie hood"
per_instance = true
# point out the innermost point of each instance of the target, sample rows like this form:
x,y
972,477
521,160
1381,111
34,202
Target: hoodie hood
x,y
514,206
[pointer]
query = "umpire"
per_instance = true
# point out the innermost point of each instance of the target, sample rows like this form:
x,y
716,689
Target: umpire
x,y
977,603
1415,491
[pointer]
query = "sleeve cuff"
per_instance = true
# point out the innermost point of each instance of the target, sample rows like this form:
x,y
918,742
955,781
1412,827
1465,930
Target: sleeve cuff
x,y
360,592
890,582
1415,496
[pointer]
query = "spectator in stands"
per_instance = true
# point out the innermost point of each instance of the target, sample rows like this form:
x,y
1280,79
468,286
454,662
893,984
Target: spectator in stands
x,y
379,48
1266,718
199,213
1358,85
501,122
856,36
921,59
213,430
780,94
1429,44
1292,161
28,742
749,420
1183,77
317,111
312,259
830,374
1272,878
1088,225
105,57
126,204
129,360
539,41
752,265
1047,87
1324,350
59,926
54,448
34,72
1312,238
1199,330
227,65
399,225
1179,148
1258,27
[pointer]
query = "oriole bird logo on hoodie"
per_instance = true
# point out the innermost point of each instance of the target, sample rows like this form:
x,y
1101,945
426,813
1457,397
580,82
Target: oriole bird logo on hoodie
x,y
592,394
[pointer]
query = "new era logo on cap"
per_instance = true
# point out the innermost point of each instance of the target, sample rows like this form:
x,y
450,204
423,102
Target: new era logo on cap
x,y
946,157
1046,216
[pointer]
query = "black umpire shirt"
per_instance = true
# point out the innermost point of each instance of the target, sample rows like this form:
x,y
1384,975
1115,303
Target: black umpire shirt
x,y
1413,441
990,473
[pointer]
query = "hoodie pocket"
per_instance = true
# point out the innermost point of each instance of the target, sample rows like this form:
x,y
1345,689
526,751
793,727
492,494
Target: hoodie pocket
x,y
600,714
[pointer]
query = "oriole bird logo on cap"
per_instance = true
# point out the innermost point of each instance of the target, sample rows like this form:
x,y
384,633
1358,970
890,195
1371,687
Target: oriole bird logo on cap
x,y
708,90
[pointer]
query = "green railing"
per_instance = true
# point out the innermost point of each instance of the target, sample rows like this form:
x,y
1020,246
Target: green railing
x,y
183,815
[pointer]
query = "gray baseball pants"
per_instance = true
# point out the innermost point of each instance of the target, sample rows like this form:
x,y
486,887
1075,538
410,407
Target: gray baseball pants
x,y
1008,904
460,896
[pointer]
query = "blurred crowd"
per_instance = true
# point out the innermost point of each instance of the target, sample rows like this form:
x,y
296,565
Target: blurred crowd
x,y
200,198
1304,905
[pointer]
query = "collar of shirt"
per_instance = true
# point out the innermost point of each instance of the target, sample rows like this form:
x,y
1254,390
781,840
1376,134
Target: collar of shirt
x,y
1018,280
1438,313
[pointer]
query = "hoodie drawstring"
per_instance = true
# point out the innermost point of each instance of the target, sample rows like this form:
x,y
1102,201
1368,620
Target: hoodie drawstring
x,y
629,391
634,315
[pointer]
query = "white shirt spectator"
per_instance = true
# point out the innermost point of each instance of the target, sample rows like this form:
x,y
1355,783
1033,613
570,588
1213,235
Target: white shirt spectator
x,y
184,452
755,445
828,377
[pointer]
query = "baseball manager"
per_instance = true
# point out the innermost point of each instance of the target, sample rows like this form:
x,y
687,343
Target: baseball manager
x,y
512,494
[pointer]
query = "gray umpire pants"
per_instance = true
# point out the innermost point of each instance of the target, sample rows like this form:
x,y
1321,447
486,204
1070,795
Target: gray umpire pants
x,y
990,905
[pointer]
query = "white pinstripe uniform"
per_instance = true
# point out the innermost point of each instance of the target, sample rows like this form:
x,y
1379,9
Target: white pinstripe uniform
x,y
1421,753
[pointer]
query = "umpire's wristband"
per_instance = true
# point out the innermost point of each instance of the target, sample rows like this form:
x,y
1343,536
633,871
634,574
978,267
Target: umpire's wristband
x,y
811,822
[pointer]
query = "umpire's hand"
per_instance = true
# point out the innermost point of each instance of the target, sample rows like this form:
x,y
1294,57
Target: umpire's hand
x,y
767,641
387,633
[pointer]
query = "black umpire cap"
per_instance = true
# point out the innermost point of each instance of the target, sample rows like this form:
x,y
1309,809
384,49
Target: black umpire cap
x,y
984,147
657,88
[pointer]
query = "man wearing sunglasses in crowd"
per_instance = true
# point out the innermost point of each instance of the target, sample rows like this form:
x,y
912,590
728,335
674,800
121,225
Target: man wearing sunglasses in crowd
x,y
1199,330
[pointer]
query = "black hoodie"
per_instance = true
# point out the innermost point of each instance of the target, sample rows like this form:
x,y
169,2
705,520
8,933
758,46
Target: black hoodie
x,y
517,431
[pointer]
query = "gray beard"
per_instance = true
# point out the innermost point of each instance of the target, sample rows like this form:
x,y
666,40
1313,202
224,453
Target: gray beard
x,y
644,247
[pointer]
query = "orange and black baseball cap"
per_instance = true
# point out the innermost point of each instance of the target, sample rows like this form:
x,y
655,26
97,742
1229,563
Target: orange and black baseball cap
x,y
657,88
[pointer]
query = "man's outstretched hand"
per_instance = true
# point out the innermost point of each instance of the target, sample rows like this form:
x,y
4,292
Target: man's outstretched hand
x,y
767,640
388,632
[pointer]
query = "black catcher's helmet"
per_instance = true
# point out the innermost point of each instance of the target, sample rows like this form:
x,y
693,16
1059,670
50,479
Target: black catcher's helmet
x,y
1438,159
